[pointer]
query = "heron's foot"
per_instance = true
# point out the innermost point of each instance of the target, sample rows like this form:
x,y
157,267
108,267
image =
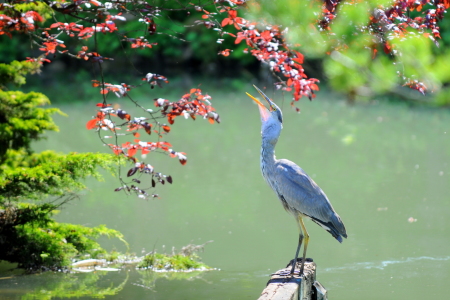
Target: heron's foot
x,y
299,261
287,273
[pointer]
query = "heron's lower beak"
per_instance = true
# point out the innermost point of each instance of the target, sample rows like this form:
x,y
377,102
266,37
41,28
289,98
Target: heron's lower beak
x,y
264,112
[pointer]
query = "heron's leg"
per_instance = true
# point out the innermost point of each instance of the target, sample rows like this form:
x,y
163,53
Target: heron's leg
x,y
300,239
306,243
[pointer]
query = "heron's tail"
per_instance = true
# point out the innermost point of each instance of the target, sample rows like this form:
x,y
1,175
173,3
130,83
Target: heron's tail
x,y
335,227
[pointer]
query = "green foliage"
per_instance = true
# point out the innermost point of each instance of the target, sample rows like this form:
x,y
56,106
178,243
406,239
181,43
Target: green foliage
x,y
177,262
32,238
113,255
443,98
38,6
21,121
186,259
28,234
15,72
48,173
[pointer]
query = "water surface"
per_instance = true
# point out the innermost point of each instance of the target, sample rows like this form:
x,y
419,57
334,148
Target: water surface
x,y
384,167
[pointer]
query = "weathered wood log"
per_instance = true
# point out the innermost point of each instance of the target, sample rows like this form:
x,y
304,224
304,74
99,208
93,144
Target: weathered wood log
x,y
284,286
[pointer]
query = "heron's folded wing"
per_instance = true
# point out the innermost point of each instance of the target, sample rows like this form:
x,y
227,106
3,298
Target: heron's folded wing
x,y
301,192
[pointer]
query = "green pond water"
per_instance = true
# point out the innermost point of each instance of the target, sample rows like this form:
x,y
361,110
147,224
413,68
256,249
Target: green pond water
x,y
384,167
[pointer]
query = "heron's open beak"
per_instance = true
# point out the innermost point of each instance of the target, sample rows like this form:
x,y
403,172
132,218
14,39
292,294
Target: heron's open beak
x,y
265,114
272,107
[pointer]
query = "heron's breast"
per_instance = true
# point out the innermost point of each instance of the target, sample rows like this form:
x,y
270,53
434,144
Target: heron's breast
x,y
274,185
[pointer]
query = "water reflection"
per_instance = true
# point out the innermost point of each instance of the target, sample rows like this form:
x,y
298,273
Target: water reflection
x,y
98,284
149,278
56,285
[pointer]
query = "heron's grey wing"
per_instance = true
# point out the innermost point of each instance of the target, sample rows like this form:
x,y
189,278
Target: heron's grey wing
x,y
303,195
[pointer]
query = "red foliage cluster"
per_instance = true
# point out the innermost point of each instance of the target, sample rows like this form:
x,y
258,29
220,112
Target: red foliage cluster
x,y
91,56
120,90
190,105
70,29
265,42
41,60
13,20
400,12
329,13
155,79
140,43
395,20
268,45
50,46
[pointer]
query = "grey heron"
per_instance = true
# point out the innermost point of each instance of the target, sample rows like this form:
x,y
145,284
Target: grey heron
x,y
298,193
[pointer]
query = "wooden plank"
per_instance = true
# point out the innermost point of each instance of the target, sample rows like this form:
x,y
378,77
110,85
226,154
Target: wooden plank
x,y
284,286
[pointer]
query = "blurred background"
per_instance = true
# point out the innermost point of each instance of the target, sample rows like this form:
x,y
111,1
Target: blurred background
x,y
382,157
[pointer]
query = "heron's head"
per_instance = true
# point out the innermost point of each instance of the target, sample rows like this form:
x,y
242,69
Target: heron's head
x,y
271,118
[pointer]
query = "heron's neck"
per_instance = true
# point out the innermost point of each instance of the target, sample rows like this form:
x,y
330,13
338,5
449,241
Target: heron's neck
x,y
267,153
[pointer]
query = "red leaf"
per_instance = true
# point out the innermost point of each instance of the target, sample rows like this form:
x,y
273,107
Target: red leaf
x,y
374,53
136,134
54,25
232,14
226,21
166,128
387,48
117,151
266,35
299,57
91,124
132,152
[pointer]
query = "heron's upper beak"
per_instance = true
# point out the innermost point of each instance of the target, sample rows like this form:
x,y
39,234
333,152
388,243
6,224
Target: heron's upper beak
x,y
265,114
